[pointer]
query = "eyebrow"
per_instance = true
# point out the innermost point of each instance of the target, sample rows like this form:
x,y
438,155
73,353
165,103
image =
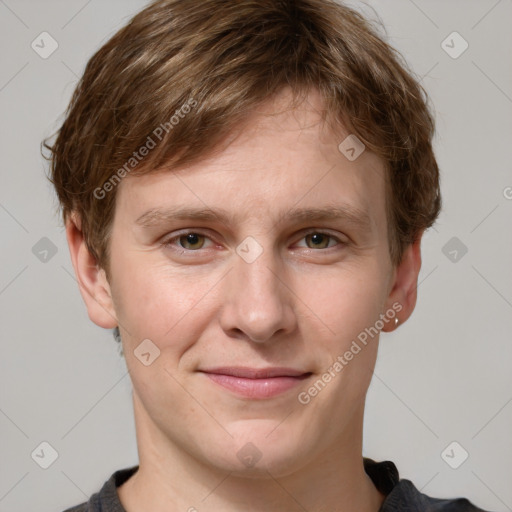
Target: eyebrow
x,y
355,216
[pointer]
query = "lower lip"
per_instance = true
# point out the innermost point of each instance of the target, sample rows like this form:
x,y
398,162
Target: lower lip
x,y
256,388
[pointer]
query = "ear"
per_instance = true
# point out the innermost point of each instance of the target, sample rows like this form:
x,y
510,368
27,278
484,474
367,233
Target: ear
x,y
404,285
92,280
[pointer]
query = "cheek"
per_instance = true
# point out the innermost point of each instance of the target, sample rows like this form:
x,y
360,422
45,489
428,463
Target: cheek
x,y
346,301
158,303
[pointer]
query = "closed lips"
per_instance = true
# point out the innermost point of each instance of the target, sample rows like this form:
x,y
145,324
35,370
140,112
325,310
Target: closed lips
x,y
258,373
256,383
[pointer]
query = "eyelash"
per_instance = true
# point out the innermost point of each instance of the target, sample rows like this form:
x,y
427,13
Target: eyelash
x,y
181,250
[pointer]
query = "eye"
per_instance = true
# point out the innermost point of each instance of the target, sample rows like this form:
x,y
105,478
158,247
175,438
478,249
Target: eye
x,y
186,241
191,241
320,240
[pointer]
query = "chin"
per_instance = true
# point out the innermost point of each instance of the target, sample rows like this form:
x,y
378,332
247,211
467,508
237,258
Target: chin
x,y
259,447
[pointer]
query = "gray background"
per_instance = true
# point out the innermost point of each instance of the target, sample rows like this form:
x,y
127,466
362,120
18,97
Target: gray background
x,y
444,376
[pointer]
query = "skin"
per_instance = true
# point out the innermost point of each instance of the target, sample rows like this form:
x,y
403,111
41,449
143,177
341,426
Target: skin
x,y
300,304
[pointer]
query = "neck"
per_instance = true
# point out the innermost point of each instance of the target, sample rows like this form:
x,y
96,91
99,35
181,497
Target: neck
x,y
169,478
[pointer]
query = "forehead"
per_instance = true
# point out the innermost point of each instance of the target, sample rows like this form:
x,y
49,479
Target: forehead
x,y
278,160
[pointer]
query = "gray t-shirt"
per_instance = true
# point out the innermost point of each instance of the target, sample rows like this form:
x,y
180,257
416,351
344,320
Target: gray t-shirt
x,y
401,495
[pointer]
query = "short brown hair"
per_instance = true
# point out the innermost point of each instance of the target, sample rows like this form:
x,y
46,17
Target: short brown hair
x,y
221,59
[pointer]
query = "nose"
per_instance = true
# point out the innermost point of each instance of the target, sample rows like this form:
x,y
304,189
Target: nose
x,y
258,303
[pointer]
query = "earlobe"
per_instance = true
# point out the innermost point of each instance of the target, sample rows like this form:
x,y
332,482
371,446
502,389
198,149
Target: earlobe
x,y
92,281
403,294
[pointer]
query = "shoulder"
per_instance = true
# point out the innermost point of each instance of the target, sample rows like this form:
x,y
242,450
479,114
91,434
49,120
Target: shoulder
x,y
83,507
406,497
94,504
106,499
402,495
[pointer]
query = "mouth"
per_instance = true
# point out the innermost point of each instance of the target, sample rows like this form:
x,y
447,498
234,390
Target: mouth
x,y
257,383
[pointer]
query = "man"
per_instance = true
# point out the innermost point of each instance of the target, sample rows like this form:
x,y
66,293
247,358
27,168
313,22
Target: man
x,y
245,186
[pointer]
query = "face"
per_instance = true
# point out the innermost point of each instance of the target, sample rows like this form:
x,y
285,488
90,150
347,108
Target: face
x,y
287,270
